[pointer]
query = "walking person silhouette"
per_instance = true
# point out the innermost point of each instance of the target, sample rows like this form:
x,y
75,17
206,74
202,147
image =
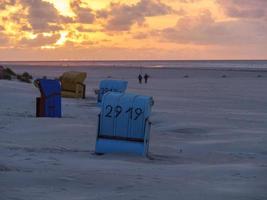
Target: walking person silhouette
x,y
140,78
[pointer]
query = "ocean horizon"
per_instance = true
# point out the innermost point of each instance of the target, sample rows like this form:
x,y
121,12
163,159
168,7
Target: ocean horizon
x,y
183,64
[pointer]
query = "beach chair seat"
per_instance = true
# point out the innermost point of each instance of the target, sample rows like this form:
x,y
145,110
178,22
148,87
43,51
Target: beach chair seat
x,y
49,103
124,125
72,84
111,86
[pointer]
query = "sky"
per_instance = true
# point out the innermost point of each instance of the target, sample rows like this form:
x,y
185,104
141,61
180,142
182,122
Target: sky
x,y
132,29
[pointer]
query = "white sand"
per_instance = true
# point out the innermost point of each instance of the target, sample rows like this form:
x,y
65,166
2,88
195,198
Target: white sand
x,y
208,140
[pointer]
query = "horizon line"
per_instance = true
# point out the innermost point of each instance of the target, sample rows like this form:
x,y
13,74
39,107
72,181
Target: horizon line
x,y
133,60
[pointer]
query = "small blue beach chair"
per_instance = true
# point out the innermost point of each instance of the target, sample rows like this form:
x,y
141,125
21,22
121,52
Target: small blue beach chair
x,y
49,104
124,125
111,86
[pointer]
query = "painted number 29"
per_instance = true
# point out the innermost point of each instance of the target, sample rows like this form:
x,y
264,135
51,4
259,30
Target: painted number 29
x,y
133,113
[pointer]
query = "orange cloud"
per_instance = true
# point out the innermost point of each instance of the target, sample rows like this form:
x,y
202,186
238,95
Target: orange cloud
x,y
158,29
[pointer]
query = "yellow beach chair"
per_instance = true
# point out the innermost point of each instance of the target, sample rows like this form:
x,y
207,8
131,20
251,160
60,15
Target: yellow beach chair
x,y
72,84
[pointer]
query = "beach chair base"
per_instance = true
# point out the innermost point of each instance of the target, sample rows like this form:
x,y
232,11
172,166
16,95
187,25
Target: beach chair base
x,y
40,112
120,146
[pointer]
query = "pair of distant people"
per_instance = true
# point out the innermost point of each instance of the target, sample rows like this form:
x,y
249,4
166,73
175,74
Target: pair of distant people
x,y
140,78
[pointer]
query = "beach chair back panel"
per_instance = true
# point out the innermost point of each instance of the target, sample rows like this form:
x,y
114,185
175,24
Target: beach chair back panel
x,y
50,90
107,115
123,114
141,109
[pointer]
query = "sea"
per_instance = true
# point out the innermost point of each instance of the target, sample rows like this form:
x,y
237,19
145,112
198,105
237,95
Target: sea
x,y
183,64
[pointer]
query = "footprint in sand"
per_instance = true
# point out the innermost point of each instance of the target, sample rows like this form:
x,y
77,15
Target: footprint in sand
x,y
124,187
157,180
4,168
191,131
165,159
67,178
139,177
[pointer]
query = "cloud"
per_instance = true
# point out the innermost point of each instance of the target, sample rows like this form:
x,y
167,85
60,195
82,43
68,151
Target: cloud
x,y
41,14
204,30
3,40
83,29
189,1
141,36
245,8
120,17
40,40
84,15
44,17
5,3
142,24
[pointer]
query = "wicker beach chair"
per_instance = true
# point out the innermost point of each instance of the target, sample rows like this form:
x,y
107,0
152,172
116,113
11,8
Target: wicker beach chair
x,y
72,84
49,103
124,125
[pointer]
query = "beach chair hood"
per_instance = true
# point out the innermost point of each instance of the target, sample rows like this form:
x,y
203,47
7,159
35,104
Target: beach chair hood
x,y
69,79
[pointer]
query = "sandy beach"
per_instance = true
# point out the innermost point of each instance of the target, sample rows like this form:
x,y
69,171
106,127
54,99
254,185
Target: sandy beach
x,y
208,139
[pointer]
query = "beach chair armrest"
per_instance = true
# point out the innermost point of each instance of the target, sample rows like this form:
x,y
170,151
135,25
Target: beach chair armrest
x,y
82,87
98,126
147,132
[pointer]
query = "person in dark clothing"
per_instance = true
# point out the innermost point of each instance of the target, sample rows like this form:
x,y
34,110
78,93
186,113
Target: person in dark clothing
x,y
140,77
146,78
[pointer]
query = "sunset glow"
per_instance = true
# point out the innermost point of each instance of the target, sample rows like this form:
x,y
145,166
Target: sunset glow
x,y
137,29
63,7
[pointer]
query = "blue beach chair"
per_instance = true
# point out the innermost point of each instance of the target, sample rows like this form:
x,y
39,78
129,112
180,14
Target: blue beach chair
x,y
111,86
124,125
49,104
